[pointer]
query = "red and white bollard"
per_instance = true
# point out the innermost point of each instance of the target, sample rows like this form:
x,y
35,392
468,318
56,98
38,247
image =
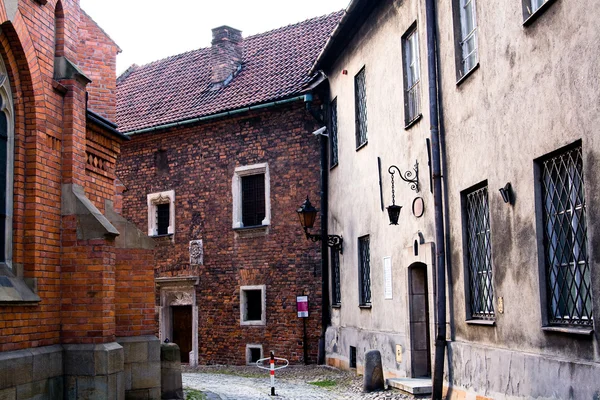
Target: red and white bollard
x,y
272,369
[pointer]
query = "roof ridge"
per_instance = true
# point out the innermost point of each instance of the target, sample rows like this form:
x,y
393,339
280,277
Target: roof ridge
x,y
324,16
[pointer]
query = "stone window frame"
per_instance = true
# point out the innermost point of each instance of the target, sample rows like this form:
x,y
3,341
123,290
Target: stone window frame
x,y
154,199
249,354
263,319
7,108
236,191
530,14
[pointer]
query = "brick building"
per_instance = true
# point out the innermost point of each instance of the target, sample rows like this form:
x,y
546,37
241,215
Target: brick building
x,y
221,155
75,290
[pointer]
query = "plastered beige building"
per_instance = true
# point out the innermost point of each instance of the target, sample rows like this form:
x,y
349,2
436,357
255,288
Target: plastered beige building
x,y
518,91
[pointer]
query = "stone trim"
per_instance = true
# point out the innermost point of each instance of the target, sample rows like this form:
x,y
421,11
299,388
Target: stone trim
x,y
236,191
243,306
154,199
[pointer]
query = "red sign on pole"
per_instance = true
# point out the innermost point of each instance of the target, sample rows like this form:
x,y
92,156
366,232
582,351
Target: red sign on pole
x,y
302,302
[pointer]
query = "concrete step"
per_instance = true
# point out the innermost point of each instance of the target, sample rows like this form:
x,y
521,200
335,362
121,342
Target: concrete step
x,y
416,386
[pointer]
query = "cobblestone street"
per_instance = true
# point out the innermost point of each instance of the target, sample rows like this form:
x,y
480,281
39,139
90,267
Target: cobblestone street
x,y
293,383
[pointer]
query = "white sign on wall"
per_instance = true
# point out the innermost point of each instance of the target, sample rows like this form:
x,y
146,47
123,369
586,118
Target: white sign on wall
x,y
387,278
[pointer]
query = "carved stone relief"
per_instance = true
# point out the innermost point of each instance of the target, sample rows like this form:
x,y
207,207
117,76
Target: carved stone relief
x,y
196,252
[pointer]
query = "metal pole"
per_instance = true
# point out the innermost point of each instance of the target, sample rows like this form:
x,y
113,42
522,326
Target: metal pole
x,y
304,342
272,362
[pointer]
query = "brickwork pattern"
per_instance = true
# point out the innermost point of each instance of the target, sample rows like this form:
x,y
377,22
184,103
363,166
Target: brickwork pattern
x,y
202,160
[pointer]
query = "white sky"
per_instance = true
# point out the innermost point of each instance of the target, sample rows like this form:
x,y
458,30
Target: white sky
x,y
148,30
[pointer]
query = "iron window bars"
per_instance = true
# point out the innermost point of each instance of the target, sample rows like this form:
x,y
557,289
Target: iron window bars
x,y
479,254
336,298
253,199
360,101
412,98
567,267
333,134
364,261
468,41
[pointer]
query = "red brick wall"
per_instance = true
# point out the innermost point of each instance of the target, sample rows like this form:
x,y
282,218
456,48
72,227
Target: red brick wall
x,y
52,148
135,293
97,57
202,160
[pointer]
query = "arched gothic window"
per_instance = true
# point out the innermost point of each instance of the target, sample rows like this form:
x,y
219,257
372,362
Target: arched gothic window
x,y
6,167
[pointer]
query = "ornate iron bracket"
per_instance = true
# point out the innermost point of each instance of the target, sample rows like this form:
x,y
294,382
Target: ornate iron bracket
x,y
333,241
407,177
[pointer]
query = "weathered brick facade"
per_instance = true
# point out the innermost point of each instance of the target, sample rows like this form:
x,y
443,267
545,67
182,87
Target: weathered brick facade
x,y
58,292
201,163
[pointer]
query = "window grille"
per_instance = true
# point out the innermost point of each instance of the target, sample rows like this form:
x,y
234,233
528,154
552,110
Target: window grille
x,y
333,134
568,273
479,254
253,199
412,101
360,101
162,218
335,275
468,42
364,259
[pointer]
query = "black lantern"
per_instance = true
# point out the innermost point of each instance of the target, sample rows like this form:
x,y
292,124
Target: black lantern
x,y
394,213
507,193
308,214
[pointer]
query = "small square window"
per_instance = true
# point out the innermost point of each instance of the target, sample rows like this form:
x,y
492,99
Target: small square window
x,y
412,76
161,213
252,305
254,352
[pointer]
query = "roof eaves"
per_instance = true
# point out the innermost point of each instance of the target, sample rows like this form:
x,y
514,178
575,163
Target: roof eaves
x,y
355,15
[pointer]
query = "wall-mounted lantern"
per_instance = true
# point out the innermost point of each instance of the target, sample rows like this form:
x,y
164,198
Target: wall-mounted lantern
x,y
410,177
507,194
308,214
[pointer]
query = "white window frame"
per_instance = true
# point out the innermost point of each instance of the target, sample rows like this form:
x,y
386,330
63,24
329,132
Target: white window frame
x,y
466,36
154,199
243,303
236,191
248,354
7,108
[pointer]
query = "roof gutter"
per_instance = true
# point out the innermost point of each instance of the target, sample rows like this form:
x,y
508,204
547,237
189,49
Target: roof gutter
x,y
219,115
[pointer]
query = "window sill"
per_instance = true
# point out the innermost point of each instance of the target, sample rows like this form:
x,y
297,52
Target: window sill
x,y
252,231
468,74
162,236
365,306
482,322
413,121
338,306
362,145
569,330
17,291
333,166
536,14
253,323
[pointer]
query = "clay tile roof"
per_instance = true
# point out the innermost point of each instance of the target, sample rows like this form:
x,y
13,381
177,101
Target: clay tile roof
x,y
276,66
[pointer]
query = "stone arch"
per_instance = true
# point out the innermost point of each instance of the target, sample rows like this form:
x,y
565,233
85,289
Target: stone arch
x,y
419,320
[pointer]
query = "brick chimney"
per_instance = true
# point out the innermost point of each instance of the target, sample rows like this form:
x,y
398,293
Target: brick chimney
x,y
226,54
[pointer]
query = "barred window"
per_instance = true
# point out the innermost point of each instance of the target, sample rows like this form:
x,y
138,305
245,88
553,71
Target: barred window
x,y
360,101
253,199
479,253
412,101
533,8
336,298
466,36
333,134
364,267
567,267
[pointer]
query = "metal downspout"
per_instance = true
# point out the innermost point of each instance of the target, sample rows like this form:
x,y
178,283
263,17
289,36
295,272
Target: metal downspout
x,y
440,337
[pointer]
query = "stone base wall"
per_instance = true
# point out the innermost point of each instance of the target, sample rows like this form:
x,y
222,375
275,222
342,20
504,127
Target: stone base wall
x,y
32,374
476,371
339,339
142,367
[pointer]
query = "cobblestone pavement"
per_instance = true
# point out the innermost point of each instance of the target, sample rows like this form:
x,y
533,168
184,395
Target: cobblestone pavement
x,y
292,383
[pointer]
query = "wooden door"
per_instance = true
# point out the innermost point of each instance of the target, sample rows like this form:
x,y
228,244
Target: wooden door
x,y
182,330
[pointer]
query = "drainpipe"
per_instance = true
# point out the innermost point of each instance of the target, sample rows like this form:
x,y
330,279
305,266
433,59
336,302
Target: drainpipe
x,y
325,315
440,337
